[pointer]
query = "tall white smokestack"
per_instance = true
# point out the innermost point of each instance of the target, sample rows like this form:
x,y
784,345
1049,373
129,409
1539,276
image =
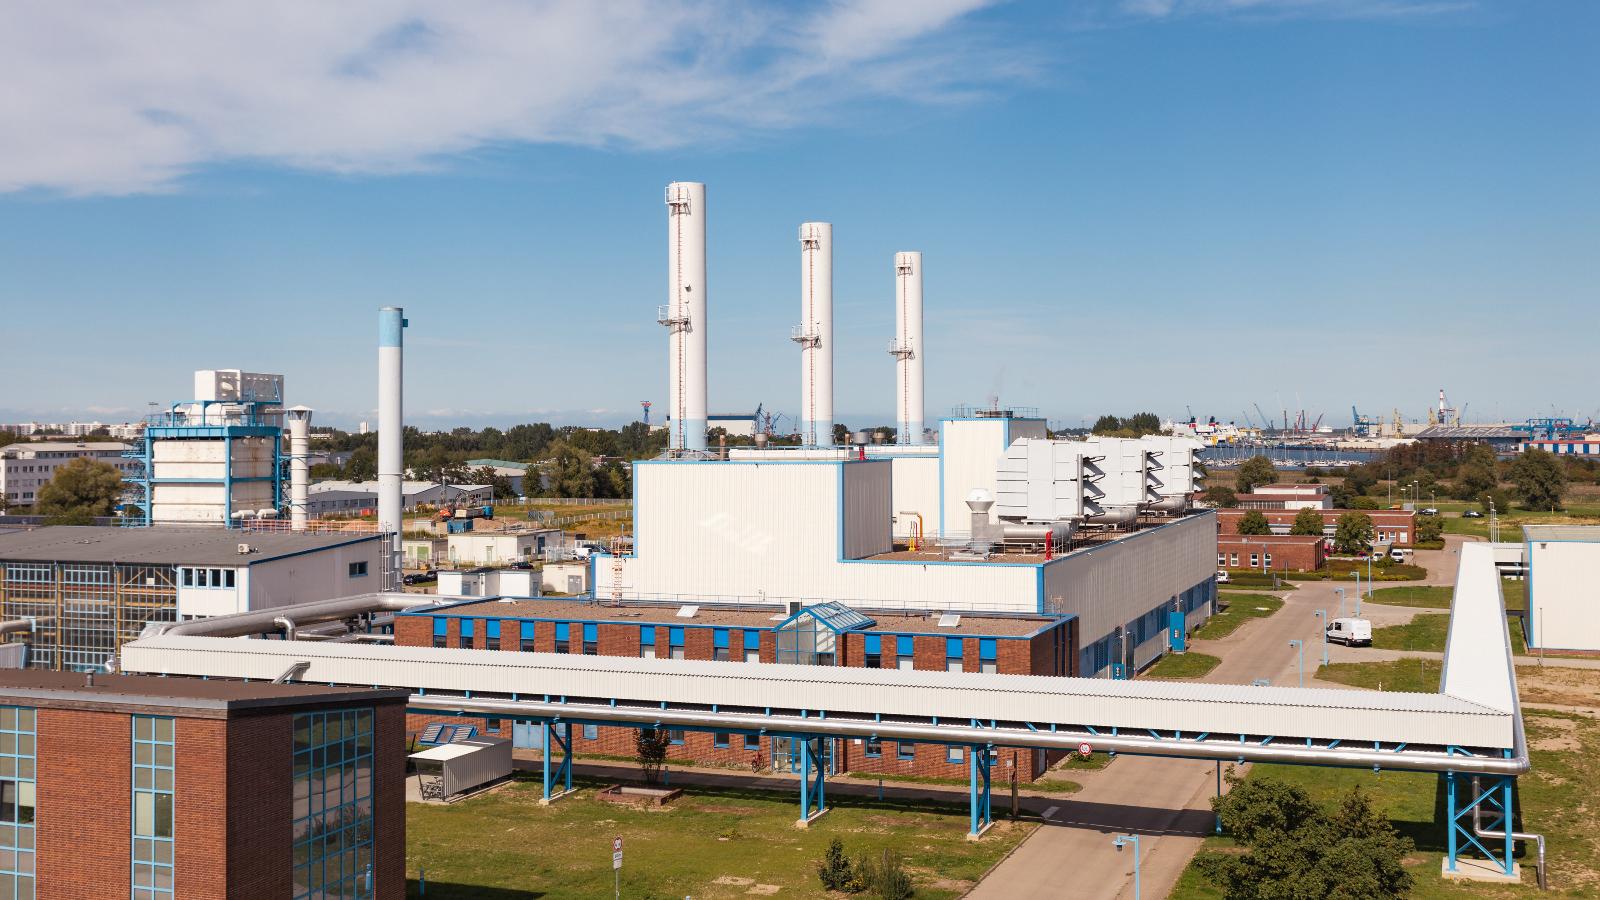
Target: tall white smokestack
x,y
907,347
391,462
685,313
299,465
814,334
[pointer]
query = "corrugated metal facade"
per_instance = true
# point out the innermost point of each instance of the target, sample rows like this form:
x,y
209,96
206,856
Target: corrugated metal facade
x,y
867,512
972,447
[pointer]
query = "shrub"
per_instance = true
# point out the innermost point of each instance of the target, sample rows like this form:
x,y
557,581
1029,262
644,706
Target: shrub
x,y
835,871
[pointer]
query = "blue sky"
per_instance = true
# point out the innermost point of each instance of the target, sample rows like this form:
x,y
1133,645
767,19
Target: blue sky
x,y
1121,206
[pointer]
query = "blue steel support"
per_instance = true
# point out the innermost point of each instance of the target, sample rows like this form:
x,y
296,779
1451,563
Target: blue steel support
x,y
1494,805
553,738
978,796
813,780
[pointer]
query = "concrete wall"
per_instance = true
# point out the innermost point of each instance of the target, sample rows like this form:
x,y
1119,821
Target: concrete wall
x,y
1563,600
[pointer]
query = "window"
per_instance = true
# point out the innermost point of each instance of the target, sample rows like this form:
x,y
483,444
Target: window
x,y
17,801
358,569
719,740
1222,560
904,750
719,644
563,637
465,639
491,634
905,651
152,807
1233,559
591,732
952,654
227,577
873,748
872,651
1255,560
441,631
591,639
988,655
491,725
525,637
332,803
752,646
675,736
954,754
1268,559
675,641
216,578
647,641
188,578
752,742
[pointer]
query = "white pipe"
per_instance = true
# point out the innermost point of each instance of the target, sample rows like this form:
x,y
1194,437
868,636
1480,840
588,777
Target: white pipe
x,y
299,465
815,334
297,615
907,348
391,425
686,313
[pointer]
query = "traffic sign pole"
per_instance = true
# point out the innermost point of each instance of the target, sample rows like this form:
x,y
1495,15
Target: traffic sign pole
x,y
616,867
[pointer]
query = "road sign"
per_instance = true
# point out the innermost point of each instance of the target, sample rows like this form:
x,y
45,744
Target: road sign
x,y
616,853
1084,749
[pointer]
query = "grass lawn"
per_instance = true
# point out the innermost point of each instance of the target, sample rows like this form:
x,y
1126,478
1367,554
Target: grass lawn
x,y
1182,665
1045,785
1241,607
1566,757
710,843
1282,586
1416,675
1414,595
1346,570
1427,632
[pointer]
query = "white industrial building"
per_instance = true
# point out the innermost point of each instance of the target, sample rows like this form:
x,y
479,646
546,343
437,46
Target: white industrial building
x,y
488,582
493,548
334,497
25,468
1563,599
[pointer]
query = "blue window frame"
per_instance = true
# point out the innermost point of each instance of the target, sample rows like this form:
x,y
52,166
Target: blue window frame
x,y
873,748
721,646
153,791
591,638
17,801
952,654
752,742
905,646
647,635
872,650
988,655
905,750
332,803
491,634
358,569
675,641
441,631
719,740
563,637
752,639
953,754
591,732
675,736
525,637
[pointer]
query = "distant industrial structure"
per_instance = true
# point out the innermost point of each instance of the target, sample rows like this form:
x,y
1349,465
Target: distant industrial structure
x,y
25,468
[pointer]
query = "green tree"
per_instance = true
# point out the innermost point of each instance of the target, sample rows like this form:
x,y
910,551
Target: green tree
x,y
1307,521
1540,480
571,472
835,870
1221,496
1253,522
1353,532
80,491
1107,424
1256,470
500,483
363,465
1429,528
1497,501
651,746
1297,849
532,480
1474,479
1365,502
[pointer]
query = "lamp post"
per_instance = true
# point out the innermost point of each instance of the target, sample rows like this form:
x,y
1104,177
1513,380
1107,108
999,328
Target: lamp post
x,y
1300,659
1340,592
1122,840
1322,619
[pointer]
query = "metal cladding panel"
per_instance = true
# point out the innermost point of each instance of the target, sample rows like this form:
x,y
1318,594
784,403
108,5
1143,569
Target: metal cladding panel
x,y
1348,715
1113,584
1564,616
176,450
915,485
1478,621
866,509
971,447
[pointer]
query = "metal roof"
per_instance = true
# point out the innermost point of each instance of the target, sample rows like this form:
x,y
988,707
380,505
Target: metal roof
x,y
38,687
1577,533
161,546
1480,672
836,617
1467,433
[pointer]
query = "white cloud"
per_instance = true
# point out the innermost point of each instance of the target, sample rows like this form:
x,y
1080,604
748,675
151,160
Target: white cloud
x,y
127,97
1329,9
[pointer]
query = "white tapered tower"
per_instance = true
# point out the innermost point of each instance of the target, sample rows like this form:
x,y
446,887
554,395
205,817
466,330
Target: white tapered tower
x,y
299,464
685,314
391,461
814,334
907,346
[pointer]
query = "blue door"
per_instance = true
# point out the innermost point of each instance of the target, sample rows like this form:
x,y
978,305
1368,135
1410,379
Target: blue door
x,y
1175,631
527,736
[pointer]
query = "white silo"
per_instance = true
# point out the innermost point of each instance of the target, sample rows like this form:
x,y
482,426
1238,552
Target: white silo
x,y
814,334
685,314
907,346
299,464
391,424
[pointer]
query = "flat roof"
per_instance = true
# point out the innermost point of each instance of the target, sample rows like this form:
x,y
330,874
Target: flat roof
x,y
53,446
1576,533
162,546
199,697
712,616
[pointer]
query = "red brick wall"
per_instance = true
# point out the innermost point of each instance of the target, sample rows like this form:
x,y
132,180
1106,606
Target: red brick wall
x,y
201,826
1306,556
259,765
389,802
84,804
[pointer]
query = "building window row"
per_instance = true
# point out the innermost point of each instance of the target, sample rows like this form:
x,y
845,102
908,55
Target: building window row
x,y
17,802
208,578
332,833
153,792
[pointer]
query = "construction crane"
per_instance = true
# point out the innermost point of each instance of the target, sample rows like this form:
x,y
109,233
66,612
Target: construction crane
x,y
1317,423
1247,419
1266,420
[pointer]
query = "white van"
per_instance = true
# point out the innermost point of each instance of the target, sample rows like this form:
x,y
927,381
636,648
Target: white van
x,y
1399,555
1351,632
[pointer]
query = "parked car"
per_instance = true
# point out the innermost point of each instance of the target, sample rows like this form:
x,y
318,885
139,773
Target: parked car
x,y
1222,576
1399,555
1351,632
1472,514
1431,511
419,577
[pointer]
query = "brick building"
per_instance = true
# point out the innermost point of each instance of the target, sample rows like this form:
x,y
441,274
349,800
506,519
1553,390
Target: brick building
x,y
157,788
1389,526
824,634
1287,496
1275,552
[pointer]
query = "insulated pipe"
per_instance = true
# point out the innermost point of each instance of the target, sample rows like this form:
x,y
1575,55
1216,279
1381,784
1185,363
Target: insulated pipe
x,y
907,347
300,614
685,313
1247,752
1477,829
391,461
27,623
814,334
299,465
287,624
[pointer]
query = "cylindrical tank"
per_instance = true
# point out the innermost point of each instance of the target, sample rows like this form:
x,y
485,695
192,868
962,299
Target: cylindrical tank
x,y
391,463
299,465
815,334
907,348
686,313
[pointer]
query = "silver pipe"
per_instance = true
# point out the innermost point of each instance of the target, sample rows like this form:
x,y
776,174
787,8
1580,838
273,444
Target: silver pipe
x,y
248,623
287,624
961,734
26,623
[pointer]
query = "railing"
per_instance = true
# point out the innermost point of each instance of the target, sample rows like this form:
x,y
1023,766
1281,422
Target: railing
x,y
994,411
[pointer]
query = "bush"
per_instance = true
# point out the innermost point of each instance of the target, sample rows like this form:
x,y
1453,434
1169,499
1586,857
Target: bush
x,y
835,871
1365,502
651,746
885,877
889,880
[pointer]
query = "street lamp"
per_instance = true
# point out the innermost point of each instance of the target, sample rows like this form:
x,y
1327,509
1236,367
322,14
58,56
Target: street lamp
x,y
1322,619
1121,840
1340,592
1300,659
